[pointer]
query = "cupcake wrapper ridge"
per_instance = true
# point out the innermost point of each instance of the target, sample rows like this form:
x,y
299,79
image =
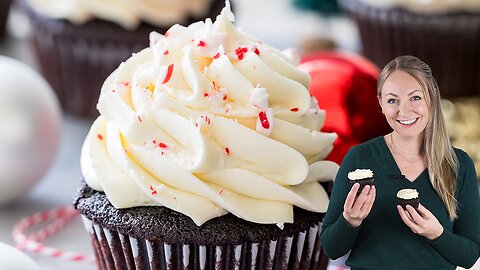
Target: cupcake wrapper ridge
x,y
115,250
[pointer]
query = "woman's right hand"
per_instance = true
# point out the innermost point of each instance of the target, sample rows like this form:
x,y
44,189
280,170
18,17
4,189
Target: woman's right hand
x,y
357,208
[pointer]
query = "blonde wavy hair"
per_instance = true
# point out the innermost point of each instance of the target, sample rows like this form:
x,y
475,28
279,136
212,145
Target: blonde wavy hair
x,y
439,155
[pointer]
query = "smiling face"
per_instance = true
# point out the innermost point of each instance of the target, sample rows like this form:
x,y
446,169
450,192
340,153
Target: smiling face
x,y
404,104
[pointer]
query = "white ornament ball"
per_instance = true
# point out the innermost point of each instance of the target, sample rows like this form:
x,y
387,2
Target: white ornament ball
x,y
13,259
29,128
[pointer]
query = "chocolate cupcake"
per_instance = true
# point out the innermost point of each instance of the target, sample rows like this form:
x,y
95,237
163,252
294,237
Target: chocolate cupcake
x,y
363,177
157,237
189,166
408,197
79,44
444,34
4,10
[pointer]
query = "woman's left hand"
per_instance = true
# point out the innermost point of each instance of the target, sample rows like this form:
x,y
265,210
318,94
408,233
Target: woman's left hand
x,y
421,221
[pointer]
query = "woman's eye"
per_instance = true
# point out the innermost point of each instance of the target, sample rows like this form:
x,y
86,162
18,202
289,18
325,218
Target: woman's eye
x,y
391,101
415,98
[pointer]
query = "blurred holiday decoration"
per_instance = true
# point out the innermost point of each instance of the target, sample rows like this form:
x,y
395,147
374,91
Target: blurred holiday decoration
x,y
47,223
325,7
29,128
463,123
13,259
345,86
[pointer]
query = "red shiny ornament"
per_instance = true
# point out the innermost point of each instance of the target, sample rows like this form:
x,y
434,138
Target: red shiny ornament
x,y
345,86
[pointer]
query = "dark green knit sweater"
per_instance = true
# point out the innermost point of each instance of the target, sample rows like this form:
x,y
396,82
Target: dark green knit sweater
x,y
383,241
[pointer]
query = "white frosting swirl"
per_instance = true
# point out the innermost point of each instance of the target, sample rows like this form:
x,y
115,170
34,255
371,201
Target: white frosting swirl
x,y
126,13
429,6
207,121
360,174
407,194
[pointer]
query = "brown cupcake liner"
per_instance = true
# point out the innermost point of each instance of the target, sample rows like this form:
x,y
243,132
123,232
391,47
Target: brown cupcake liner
x,y
447,42
412,202
4,10
76,62
115,250
363,182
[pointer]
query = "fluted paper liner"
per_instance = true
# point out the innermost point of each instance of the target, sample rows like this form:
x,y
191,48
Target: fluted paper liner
x,y
114,250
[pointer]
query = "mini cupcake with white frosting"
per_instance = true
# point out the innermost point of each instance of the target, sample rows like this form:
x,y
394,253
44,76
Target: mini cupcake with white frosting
x,y
408,196
362,176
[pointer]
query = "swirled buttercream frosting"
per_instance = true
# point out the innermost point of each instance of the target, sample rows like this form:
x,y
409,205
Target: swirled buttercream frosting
x,y
127,13
207,121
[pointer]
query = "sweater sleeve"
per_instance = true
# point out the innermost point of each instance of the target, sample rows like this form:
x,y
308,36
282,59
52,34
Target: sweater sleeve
x,y
461,246
337,235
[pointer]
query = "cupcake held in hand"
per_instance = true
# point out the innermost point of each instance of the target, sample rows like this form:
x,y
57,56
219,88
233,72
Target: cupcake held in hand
x,y
408,197
362,176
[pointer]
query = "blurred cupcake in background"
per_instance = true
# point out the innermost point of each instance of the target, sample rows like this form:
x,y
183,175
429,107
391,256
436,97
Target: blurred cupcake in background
x,y
444,34
4,9
78,43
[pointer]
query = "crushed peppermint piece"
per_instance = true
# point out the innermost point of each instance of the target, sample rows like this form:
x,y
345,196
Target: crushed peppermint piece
x,y
100,137
240,52
264,120
154,191
227,151
294,109
166,52
201,43
205,94
225,97
169,73
216,56
162,145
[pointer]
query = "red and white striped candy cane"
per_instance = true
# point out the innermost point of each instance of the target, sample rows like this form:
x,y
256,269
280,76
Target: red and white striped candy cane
x,y
60,217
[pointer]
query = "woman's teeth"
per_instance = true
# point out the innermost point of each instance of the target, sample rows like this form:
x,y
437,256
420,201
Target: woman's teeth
x,y
407,122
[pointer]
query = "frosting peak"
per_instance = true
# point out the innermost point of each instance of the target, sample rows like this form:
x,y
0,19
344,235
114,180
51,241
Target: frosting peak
x,y
209,120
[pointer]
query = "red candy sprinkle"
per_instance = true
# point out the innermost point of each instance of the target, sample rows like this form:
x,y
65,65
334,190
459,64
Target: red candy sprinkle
x,y
220,193
205,94
227,151
294,109
216,56
225,97
162,145
154,192
113,91
256,51
201,43
240,52
166,52
100,137
139,119
264,120
166,34
169,73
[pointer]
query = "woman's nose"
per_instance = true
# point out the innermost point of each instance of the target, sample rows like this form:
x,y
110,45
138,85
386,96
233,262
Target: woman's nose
x,y
404,108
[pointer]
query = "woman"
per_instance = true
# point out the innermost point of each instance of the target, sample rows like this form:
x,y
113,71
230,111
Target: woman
x,y
444,231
